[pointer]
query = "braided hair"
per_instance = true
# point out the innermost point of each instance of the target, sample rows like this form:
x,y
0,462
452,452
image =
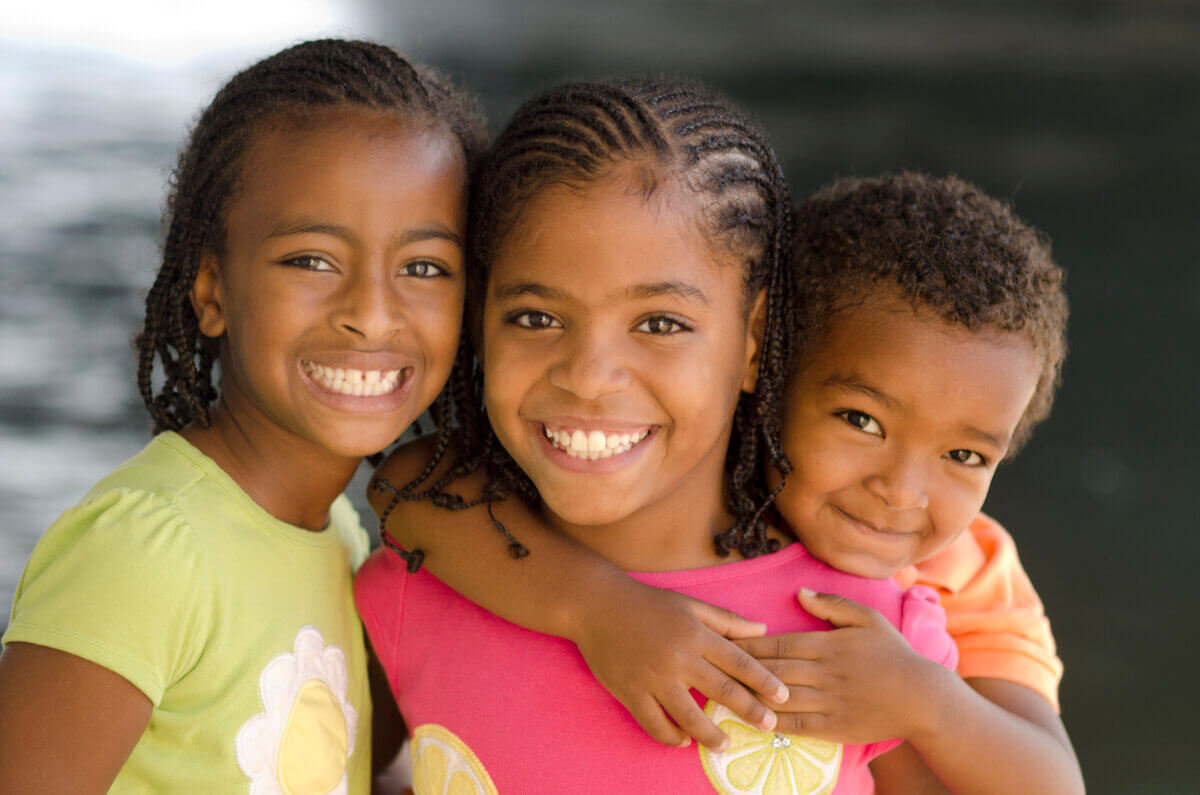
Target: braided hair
x,y
576,134
306,77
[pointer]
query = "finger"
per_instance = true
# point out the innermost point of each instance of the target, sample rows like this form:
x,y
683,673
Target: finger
x,y
794,646
649,715
837,610
737,663
726,691
793,672
806,724
726,622
684,710
802,698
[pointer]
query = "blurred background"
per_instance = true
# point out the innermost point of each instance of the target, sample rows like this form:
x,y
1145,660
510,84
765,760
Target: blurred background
x,y
1086,115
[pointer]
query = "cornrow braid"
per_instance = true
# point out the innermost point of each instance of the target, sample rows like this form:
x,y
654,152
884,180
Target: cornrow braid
x,y
308,76
576,134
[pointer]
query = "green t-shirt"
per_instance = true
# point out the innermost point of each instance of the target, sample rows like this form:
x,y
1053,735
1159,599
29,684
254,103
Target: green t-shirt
x,y
239,628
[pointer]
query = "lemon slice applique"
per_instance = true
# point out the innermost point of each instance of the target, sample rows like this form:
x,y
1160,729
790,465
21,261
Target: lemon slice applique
x,y
442,764
766,763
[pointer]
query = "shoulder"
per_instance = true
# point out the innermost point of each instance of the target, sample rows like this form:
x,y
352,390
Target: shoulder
x,y
408,462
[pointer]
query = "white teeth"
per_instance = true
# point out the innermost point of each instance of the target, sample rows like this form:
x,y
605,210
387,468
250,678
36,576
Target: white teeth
x,y
593,445
358,383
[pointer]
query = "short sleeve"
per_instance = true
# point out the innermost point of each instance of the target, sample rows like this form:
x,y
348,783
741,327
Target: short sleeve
x,y
992,610
119,581
344,516
379,589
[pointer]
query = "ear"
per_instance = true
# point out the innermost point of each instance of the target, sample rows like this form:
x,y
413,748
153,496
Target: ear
x,y
206,297
756,326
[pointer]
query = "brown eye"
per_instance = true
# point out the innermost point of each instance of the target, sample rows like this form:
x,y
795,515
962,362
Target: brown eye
x,y
863,422
534,320
422,269
968,457
661,324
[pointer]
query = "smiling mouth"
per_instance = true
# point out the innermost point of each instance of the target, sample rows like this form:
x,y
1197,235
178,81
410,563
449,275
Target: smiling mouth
x,y
356,383
593,445
870,528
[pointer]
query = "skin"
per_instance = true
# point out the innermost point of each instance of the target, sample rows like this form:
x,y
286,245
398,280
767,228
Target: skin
x,y
639,332
343,247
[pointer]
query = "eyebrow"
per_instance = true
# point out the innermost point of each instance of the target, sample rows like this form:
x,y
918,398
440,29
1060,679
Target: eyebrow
x,y
853,383
507,292
309,226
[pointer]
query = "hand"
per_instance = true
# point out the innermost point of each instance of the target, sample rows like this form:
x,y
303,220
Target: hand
x,y
858,683
647,646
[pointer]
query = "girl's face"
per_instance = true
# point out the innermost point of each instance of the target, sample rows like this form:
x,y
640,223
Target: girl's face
x,y
338,294
895,424
615,345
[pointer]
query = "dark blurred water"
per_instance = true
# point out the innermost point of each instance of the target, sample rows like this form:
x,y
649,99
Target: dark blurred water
x,y
1084,114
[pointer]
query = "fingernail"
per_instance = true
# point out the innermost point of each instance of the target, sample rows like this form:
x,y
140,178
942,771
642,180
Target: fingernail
x,y
721,746
808,592
686,742
781,695
768,722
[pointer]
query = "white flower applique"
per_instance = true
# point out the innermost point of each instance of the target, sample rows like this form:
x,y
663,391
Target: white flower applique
x,y
301,740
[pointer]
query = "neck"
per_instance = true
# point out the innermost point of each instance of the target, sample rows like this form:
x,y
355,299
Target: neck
x,y
672,533
291,478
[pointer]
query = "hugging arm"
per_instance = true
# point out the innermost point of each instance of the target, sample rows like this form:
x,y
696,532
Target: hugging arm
x,y
861,682
646,645
68,724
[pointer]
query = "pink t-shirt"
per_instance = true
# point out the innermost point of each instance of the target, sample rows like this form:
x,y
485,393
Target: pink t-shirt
x,y
513,710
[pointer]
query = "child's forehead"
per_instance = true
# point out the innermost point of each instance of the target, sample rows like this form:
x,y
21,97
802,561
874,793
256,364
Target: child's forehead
x,y
884,332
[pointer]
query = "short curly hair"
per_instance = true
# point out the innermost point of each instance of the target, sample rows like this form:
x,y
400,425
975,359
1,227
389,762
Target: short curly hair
x,y
949,247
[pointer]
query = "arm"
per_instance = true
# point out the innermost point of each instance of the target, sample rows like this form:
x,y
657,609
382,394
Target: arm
x,y
69,724
647,646
862,682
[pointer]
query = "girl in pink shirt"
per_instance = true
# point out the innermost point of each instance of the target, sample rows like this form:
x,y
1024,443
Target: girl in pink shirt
x,y
631,310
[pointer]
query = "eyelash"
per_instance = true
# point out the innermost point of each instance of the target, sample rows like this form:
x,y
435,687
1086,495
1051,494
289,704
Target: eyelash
x,y
430,266
679,325
521,319
302,260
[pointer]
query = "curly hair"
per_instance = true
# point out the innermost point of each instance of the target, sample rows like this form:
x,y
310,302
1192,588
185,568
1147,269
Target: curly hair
x,y
312,75
947,246
576,134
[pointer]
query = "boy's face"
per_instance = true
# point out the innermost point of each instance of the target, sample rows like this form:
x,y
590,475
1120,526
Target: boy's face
x,y
895,422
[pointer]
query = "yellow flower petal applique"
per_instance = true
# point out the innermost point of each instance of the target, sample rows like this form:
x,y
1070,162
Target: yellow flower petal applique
x,y
768,763
442,764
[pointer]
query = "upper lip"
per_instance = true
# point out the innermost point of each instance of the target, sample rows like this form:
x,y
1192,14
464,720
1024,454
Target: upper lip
x,y
595,424
360,360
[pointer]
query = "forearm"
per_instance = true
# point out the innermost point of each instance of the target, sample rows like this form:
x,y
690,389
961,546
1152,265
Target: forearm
x,y
974,745
546,591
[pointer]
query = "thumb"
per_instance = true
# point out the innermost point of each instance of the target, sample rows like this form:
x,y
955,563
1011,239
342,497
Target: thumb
x,y
726,622
837,610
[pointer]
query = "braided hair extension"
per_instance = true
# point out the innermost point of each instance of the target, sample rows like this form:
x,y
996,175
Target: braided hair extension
x,y
576,134
308,76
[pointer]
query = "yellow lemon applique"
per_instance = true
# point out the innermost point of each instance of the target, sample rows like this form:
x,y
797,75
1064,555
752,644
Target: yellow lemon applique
x,y
303,738
442,764
768,762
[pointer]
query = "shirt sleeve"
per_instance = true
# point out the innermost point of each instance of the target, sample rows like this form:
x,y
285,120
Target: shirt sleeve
x,y
379,588
992,610
118,581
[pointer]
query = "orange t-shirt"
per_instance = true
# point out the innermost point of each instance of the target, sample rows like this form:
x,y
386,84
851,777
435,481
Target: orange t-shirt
x,y
992,611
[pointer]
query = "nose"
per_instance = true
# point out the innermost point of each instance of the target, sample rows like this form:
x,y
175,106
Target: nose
x,y
591,367
366,307
902,484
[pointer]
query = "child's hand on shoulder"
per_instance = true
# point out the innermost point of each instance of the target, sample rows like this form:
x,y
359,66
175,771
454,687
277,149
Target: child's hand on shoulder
x,y
858,683
649,646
